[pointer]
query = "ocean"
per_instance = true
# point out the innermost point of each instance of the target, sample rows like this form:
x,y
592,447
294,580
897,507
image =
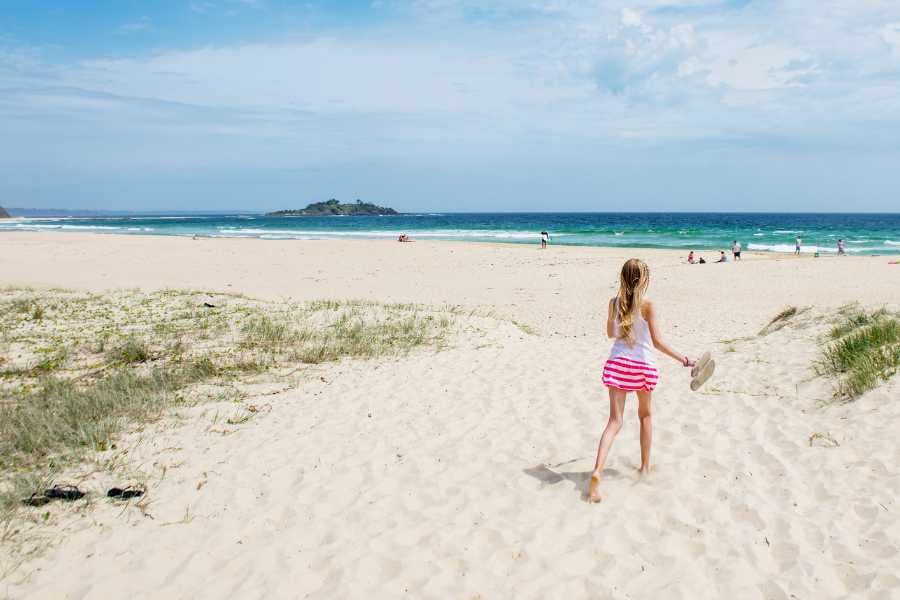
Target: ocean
x,y
768,232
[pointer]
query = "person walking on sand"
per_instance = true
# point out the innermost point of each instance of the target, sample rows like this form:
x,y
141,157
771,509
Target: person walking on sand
x,y
841,249
736,250
545,239
797,246
632,321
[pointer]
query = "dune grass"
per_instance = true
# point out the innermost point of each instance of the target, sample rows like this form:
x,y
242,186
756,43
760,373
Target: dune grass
x,y
61,416
351,330
130,352
782,319
864,350
95,365
526,328
353,336
854,318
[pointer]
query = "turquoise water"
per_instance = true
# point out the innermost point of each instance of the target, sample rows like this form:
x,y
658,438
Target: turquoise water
x,y
863,233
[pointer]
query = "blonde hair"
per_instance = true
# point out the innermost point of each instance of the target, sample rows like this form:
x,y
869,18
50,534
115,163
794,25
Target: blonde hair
x,y
633,283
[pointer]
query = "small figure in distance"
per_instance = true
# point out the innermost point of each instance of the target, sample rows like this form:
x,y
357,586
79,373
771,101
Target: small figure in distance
x,y
691,260
736,249
841,249
403,238
545,239
722,257
797,246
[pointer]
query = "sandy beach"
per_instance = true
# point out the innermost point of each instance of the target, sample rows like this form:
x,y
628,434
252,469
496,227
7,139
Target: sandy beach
x,y
460,472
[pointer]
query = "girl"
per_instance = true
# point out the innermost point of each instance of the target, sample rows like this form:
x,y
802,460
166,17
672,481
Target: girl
x,y
632,321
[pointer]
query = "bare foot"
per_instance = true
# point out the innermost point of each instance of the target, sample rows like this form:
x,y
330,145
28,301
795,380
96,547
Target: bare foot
x,y
644,471
594,489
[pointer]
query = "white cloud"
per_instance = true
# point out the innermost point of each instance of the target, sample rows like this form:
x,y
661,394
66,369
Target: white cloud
x,y
323,75
890,33
631,18
201,6
226,7
142,24
569,75
741,64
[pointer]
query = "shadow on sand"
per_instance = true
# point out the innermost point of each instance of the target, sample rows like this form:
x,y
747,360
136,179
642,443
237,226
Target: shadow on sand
x,y
548,475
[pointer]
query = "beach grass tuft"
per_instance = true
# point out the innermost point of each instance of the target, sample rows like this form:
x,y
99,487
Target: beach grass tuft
x,y
264,331
37,312
15,488
61,418
782,319
355,336
131,351
325,304
526,328
21,305
854,318
864,350
823,439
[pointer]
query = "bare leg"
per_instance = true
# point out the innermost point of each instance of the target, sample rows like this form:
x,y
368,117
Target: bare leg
x,y
613,426
646,428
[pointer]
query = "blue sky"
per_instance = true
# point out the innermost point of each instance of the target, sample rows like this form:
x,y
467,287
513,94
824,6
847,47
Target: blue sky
x,y
451,104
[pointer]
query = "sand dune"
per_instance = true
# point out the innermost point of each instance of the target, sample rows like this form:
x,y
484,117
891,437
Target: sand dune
x,y
460,474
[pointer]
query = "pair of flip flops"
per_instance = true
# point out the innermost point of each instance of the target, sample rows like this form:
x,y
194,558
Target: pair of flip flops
x,y
57,492
72,493
702,371
125,493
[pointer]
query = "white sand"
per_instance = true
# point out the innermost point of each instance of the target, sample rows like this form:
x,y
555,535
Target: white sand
x,y
466,481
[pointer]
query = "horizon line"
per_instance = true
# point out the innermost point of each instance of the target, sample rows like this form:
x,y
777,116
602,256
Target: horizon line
x,y
62,213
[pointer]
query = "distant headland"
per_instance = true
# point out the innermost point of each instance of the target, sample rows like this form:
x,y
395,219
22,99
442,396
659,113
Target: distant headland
x,y
334,207
3,213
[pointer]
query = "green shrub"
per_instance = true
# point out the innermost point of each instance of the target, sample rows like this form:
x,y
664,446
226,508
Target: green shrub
x,y
865,351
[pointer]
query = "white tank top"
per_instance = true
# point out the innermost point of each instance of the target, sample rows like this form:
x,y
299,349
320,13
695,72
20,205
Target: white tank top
x,y
640,347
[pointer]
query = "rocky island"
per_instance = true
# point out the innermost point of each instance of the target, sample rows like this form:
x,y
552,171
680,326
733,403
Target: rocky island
x,y
3,213
334,207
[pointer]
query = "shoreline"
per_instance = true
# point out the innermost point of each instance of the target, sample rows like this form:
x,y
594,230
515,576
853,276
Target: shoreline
x,y
756,254
770,233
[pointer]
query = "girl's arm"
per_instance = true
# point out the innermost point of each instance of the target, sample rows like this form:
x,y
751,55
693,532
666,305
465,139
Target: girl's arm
x,y
610,319
658,343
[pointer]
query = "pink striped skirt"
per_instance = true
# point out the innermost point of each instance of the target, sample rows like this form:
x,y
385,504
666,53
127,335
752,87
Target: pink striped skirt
x,y
630,375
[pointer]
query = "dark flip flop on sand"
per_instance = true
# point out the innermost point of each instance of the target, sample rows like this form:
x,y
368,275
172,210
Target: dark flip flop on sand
x,y
64,492
36,499
125,493
703,375
57,492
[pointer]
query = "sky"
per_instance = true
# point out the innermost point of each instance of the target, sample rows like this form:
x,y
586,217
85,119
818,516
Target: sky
x,y
451,105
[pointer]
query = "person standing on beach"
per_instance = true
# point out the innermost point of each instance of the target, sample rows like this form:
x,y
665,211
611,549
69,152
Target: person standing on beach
x,y
797,246
841,249
631,320
545,239
736,250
